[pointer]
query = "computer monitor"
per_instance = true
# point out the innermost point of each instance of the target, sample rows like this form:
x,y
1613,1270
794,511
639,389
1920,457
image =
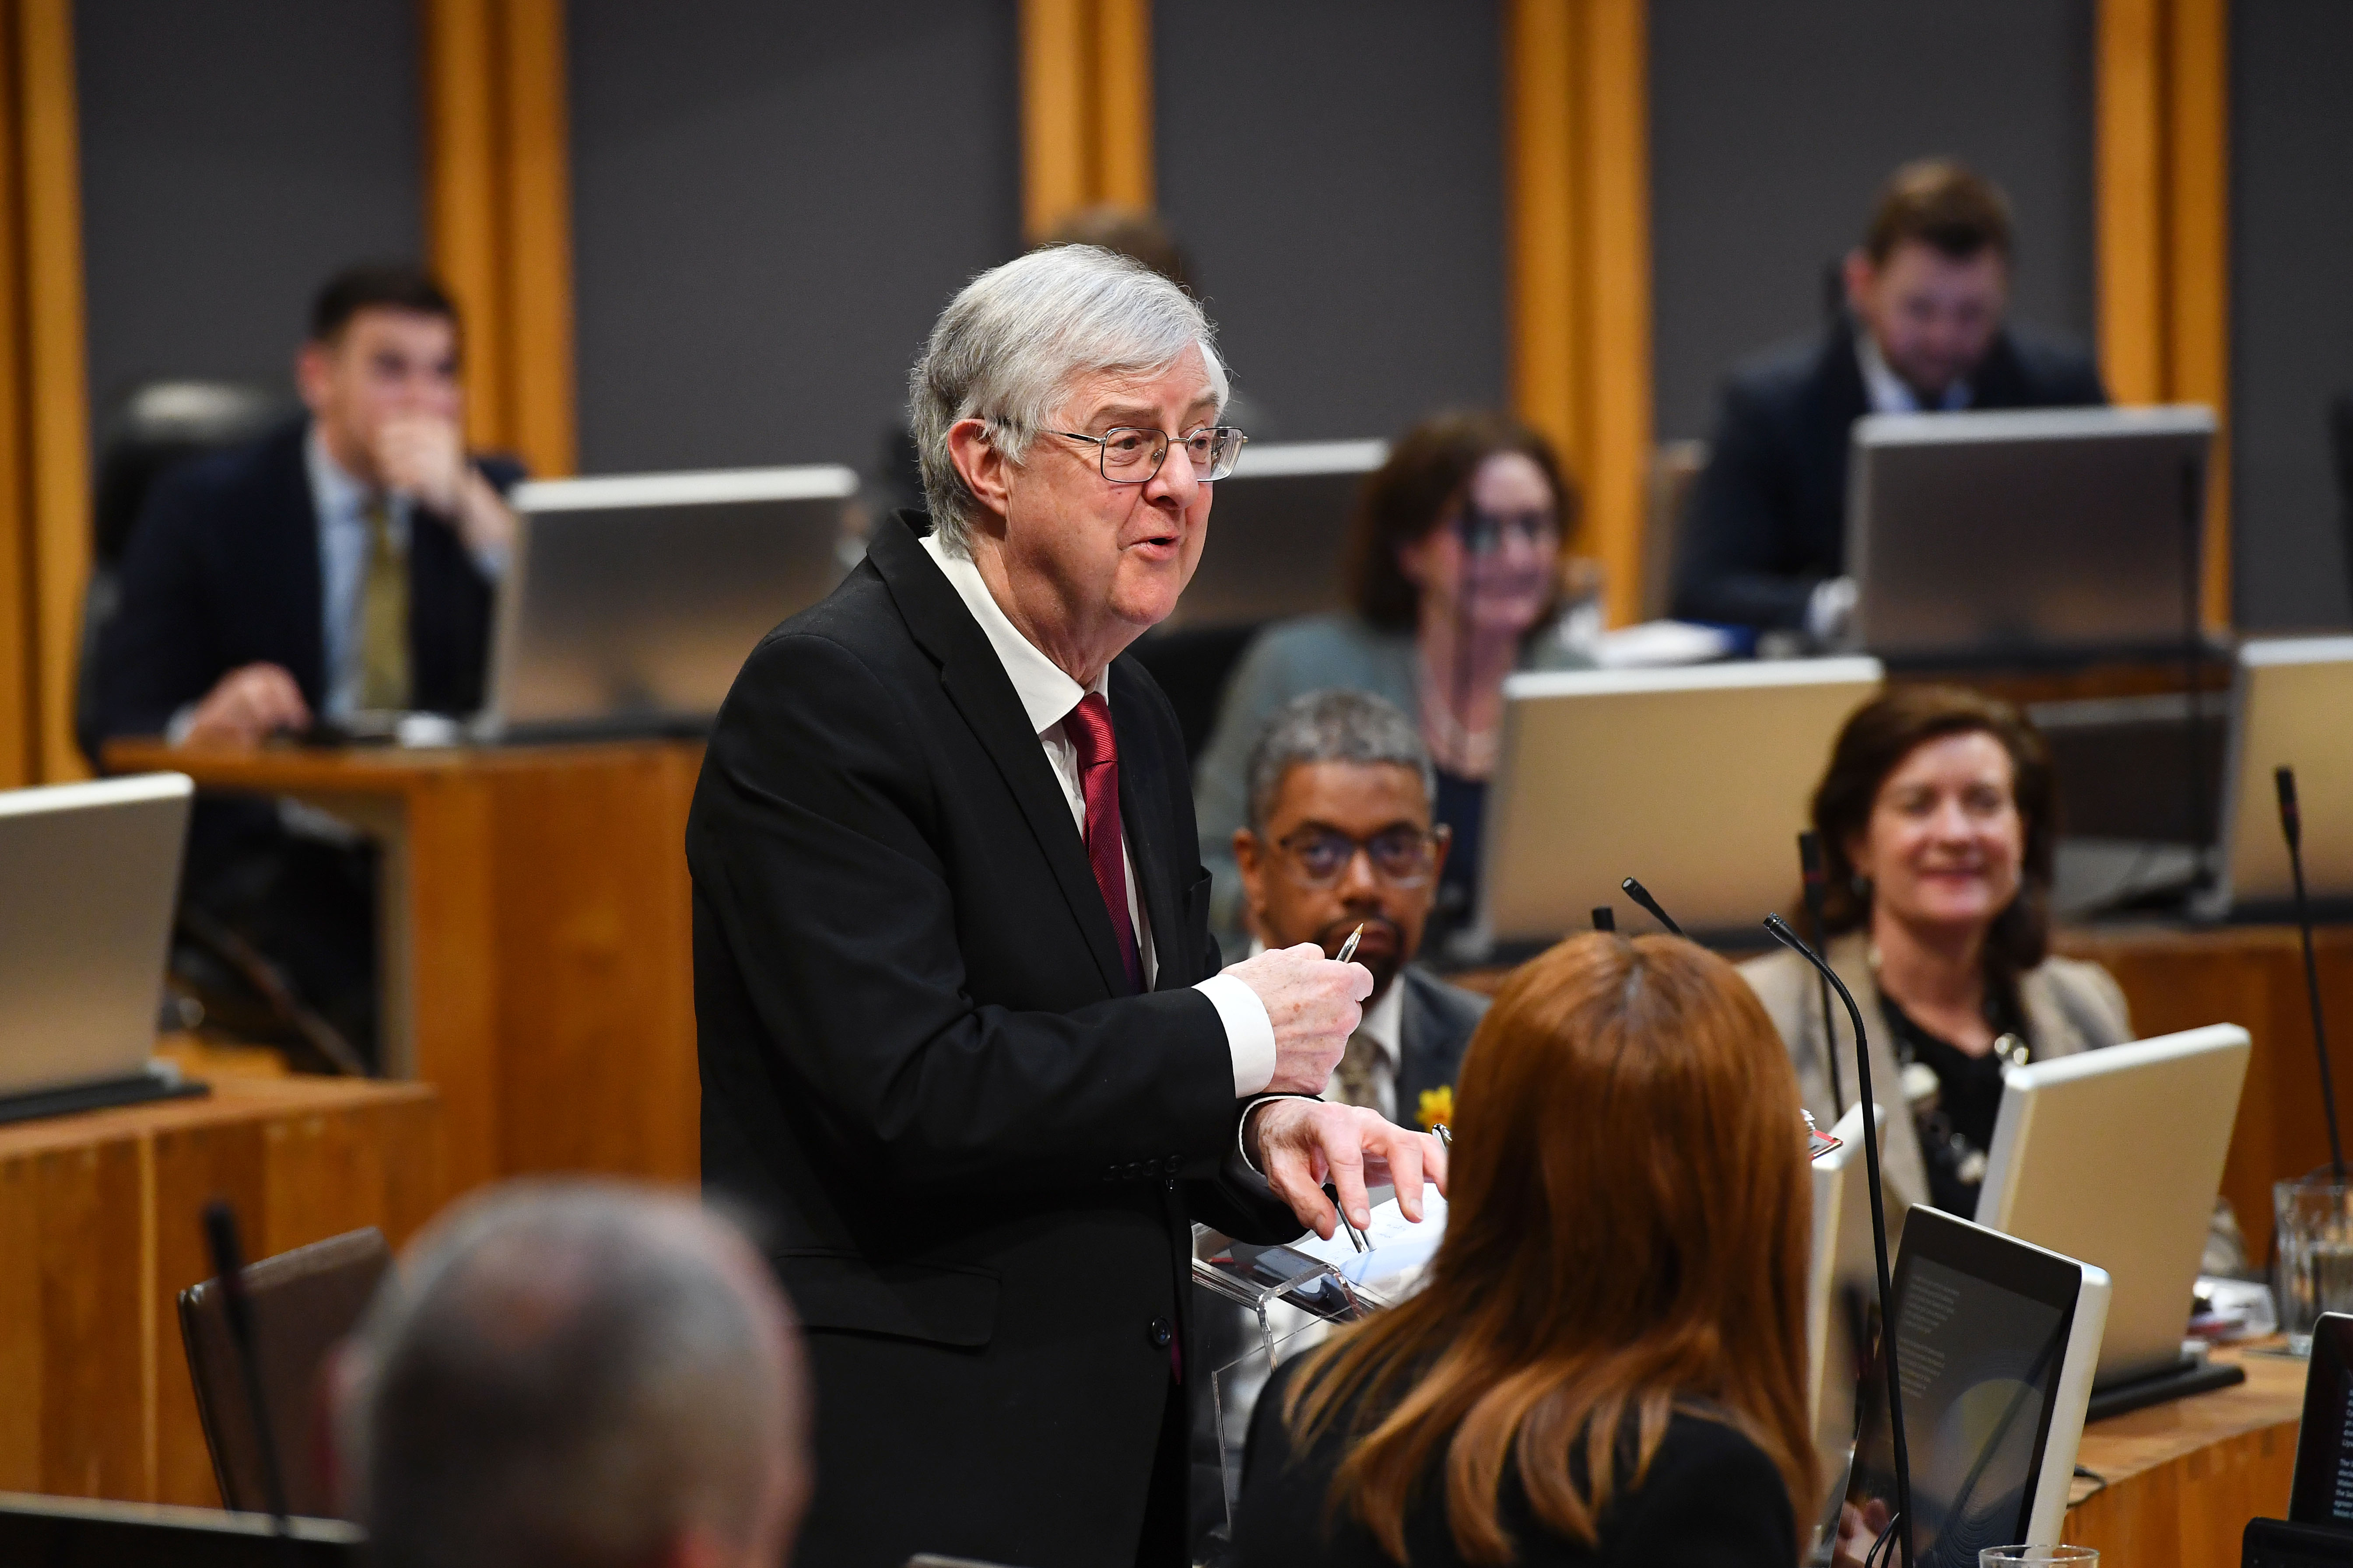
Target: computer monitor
x,y
1998,1339
2113,1156
2027,534
2291,699
630,603
1842,1305
1694,780
89,874
1278,539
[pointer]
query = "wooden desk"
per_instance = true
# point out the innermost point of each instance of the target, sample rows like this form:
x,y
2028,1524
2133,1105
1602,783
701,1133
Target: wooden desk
x,y
537,955
2184,1479
100,1231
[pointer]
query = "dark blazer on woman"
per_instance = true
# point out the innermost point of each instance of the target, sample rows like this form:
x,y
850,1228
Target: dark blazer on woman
x,y
1711,1500
978,1156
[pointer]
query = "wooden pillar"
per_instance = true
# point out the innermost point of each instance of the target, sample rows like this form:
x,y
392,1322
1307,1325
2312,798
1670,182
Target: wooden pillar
x,y
498,216
1086,107
2163,181
1576,136
44,403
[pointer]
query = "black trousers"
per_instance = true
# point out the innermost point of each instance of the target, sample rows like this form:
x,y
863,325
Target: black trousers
x,y
1167,1515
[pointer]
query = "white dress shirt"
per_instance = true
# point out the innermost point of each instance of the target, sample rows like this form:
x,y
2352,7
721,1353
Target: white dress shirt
x,y
342,503
1890,393
1048,695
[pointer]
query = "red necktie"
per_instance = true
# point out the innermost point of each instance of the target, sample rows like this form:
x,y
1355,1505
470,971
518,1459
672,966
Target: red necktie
x,y
1088,729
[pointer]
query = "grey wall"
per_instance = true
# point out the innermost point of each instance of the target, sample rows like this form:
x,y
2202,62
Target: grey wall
x,y
2291,304
232,154
771,202
1337,175
1772,126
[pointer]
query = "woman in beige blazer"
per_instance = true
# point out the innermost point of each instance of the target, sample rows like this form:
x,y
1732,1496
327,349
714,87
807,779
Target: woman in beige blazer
x,y
1936,823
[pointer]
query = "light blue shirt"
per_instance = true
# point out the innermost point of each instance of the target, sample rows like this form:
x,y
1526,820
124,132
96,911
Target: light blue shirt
x,y
342,503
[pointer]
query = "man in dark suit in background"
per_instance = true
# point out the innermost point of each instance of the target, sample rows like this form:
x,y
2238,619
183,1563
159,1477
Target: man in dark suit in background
x,y
964,1038
1764,544
1340,838
345,562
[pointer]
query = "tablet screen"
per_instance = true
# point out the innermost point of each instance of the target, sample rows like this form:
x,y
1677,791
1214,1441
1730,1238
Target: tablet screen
x,y
2324,1446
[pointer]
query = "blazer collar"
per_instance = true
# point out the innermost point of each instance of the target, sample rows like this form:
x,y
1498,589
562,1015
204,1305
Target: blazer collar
x,y
975,681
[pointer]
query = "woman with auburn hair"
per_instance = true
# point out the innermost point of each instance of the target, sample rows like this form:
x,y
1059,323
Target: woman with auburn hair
x,y
1607,1365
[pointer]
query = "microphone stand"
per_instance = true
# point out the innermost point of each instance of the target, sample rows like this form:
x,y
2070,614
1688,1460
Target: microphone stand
x,y
2292,830
1642,895
1604,918
228,1265
1781,934
1810,873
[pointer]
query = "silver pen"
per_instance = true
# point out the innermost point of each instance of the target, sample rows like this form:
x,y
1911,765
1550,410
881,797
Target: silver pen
x,y
1348,948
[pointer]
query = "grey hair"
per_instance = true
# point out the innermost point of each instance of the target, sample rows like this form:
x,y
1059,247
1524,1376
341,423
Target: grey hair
x,y
1332,726
1014,342
572,1372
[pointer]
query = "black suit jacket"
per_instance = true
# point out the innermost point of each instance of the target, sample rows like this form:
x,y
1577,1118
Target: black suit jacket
x,y
1434,1029
1767,515
223,570
979,1160
1711,1498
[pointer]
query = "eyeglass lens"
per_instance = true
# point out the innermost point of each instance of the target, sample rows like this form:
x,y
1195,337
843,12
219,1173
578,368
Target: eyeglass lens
x,y
1129,452
1482,531
1400,855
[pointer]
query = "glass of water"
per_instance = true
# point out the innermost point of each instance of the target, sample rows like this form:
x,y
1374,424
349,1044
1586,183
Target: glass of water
x,y
2314,1235
2039,1557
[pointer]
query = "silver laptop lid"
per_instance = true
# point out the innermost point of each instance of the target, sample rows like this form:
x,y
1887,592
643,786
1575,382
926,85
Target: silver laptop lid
x,y
2031,532
88,877
1279,533
633,600
2290,706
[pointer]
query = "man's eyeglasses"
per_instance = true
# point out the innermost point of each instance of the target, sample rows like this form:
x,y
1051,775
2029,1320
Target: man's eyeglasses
x,y
1131,455
1401,856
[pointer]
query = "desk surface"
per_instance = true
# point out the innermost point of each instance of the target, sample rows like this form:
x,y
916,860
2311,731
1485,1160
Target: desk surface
x,y
291,768
233,1099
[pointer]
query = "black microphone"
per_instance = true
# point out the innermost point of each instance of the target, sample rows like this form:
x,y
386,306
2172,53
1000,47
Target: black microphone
x,y
228,1266
1810,873
1604,918
2292,830
1642,895
1781,932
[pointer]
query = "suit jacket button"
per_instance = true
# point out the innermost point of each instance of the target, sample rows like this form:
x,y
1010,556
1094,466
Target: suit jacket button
x,y
1161,1333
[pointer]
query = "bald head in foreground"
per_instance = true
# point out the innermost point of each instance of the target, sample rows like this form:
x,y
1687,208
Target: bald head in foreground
x,y
578,1374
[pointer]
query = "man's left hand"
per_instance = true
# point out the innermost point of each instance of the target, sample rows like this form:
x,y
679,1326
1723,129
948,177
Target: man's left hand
x,y
1302,1143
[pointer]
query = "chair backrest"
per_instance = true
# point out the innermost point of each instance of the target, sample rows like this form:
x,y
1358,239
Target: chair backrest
x,y
304,1302
1675,469
158,425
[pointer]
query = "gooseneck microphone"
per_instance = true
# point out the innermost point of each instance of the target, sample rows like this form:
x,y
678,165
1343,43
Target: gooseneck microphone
x,y
1781,932
228,1268
1810,872
1604,918
1642,895
2292,830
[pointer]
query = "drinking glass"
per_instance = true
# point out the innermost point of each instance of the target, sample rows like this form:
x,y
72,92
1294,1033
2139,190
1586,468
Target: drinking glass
x,y
2039,1557
2313,1222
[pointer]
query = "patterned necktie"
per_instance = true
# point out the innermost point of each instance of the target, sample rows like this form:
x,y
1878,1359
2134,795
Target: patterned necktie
x,y
384,615
1352,1080
1088,729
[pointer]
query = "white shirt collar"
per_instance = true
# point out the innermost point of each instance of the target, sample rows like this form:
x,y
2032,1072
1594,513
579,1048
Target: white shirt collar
x,y
1047,694
337,493
1890,393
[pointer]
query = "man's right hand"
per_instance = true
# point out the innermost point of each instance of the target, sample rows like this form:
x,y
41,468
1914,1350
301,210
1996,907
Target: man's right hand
x,y
1312,1002
246,706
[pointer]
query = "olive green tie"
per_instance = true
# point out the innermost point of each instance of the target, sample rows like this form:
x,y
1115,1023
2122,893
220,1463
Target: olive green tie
x,y
384,616
1352,1080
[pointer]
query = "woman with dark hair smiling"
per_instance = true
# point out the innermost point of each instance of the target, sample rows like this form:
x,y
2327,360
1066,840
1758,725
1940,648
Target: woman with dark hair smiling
x,y
1608,1365
1454,575
1937,831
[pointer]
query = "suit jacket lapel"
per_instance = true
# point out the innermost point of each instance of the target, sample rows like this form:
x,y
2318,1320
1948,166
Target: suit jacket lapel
x,y
1144,816
301,594
977,683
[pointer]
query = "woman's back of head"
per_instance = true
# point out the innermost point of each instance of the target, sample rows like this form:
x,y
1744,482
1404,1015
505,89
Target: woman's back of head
x,y
1627,1235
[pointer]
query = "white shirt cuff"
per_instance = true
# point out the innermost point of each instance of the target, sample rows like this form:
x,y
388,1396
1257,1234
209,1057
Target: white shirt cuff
x,y
1249,1033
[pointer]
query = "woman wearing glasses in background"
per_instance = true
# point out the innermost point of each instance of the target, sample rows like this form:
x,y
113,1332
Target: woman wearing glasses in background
x,y
1607,1365
1454,579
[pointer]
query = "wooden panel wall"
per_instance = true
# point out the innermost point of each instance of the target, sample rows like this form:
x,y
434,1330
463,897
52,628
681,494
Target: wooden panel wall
x,y
2164,226
1086,107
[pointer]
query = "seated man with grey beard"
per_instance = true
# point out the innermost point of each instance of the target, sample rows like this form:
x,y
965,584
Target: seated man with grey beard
x,y
581,1373
1340,838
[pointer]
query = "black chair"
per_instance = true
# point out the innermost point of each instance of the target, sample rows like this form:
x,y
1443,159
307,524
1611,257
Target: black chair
x,y
157,426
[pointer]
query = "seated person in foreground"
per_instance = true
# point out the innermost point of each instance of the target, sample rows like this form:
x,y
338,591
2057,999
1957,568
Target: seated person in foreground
x,y
1480,492
1340,838
577,1373
1935,824
1608,1365
1764,544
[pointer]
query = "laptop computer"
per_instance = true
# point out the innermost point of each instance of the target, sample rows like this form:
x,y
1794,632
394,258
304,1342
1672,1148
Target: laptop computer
x,y
629,603
89,874
2113,1156
2025,534
2291,699
1695,780
89,1533
1279,533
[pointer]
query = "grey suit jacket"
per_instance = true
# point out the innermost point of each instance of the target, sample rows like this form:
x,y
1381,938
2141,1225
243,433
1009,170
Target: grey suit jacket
x,y
1436,1027
2071,1007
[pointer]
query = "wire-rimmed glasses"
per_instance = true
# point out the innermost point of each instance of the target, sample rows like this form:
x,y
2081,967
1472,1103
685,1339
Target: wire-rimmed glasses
x,y
1132,455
